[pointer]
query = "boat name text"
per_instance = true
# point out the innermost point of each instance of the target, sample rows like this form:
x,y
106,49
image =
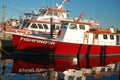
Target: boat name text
x,y
37,41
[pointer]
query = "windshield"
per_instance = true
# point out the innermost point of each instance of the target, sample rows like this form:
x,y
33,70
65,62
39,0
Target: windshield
x,y
64,25
25,24
42,12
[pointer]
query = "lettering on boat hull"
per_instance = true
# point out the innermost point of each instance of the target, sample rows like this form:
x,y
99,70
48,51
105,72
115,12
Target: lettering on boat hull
x,y
37,41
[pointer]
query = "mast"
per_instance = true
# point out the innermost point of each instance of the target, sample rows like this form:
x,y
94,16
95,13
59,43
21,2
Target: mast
x,y
3,14
81,16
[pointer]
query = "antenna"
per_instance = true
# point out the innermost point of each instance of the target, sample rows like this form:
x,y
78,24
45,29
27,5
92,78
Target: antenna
x,y
93,11
62,4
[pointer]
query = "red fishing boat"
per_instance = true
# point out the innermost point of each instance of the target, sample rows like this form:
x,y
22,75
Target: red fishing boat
x,y
78,44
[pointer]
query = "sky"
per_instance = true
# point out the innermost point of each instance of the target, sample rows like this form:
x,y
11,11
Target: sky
x,y
106,11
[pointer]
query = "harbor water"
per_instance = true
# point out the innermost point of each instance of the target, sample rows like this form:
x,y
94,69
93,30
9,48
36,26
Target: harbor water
x,y
8,75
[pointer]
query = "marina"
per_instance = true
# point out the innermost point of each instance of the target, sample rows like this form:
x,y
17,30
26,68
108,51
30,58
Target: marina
x,y
51,45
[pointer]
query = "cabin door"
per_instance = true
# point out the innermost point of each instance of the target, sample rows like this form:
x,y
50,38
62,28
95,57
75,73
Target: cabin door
x,y
95,39
118,39
85,39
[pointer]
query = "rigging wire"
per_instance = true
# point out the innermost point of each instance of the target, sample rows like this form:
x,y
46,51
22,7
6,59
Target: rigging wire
x,y
17,9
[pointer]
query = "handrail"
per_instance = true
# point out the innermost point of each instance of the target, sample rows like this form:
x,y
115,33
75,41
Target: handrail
x,y
91,42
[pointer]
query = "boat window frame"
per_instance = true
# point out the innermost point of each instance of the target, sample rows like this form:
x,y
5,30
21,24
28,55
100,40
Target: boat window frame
x,y
55,13
45,26
40,26
73,26
25,25
82,27
32,26
49,13
42,12
111,37
64,25
105,36
57,27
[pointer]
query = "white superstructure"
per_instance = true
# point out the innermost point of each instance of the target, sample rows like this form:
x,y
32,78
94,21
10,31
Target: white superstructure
x,y
87,33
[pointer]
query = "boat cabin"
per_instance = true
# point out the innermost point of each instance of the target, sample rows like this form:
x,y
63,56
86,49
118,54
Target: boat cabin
x,y
87,33
39,26
46,13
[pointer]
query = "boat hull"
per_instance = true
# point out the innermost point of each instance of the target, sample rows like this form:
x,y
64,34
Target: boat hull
x,y
49,54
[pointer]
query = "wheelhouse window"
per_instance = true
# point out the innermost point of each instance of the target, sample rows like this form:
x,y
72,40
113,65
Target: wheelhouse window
x,y
73,26
49,13
82,27
45,26
64,25
55,14
40,26
112,37
33,25
42,12
60,14
25,25
57,27
105,36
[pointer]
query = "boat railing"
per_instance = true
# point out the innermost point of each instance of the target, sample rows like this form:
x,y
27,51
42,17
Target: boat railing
x,y
93,43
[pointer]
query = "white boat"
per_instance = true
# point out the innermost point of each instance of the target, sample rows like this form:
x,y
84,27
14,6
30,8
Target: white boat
x,y
39,22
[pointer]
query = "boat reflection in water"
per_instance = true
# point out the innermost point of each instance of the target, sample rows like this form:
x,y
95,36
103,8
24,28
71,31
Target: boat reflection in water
x,y
70,74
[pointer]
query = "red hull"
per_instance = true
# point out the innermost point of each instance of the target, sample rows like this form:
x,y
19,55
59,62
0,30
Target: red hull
x,y
93,55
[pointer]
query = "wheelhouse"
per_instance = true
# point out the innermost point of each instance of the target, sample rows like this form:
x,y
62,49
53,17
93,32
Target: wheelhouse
x,y
87,33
